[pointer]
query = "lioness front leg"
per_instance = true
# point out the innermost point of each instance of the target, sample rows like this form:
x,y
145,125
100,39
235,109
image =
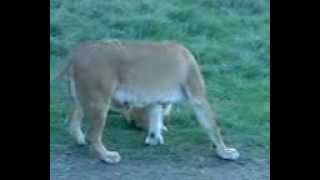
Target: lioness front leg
x,y
97,112
76,115
155,114
74,120
206,118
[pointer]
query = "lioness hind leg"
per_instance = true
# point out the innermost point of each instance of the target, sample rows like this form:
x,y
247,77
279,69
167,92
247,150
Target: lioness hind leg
x,y
207,120
196,93
97,112
76,116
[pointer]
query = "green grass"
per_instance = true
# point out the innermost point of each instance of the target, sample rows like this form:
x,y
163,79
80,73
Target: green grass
x,y
230,39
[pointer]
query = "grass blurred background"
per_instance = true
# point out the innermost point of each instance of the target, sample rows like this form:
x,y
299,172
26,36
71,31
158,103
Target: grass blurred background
x,y
229,38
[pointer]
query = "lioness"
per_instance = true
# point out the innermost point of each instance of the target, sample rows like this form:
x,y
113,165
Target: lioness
x,y
136,74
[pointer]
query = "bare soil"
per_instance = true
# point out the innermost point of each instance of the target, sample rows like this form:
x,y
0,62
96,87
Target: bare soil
x,y
74,163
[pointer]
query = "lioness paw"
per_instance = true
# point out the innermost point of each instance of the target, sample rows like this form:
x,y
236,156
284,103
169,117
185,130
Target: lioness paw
x,y
228,153
111,157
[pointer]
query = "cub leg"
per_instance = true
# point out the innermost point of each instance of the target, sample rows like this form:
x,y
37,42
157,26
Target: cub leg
x,y
155,114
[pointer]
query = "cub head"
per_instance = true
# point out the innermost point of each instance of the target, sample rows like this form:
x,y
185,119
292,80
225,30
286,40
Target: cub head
x,y
140,119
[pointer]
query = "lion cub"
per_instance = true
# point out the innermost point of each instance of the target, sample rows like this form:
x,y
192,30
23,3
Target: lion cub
x,y
141,118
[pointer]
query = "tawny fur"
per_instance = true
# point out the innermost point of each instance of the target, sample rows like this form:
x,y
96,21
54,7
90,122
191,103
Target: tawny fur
x,y
136,74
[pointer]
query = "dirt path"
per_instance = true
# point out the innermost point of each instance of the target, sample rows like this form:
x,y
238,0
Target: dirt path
x,y
79,166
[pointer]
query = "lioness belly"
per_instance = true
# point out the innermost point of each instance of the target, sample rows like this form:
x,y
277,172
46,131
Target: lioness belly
x,y
138,98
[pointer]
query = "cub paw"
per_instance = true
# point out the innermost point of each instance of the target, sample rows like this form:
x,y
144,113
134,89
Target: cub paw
x,y
154,140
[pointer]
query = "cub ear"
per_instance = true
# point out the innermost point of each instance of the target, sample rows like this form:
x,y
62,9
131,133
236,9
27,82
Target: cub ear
x,y
126,114
166,119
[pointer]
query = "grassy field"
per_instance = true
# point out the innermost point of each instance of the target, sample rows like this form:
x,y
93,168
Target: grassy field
x,y
230,39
